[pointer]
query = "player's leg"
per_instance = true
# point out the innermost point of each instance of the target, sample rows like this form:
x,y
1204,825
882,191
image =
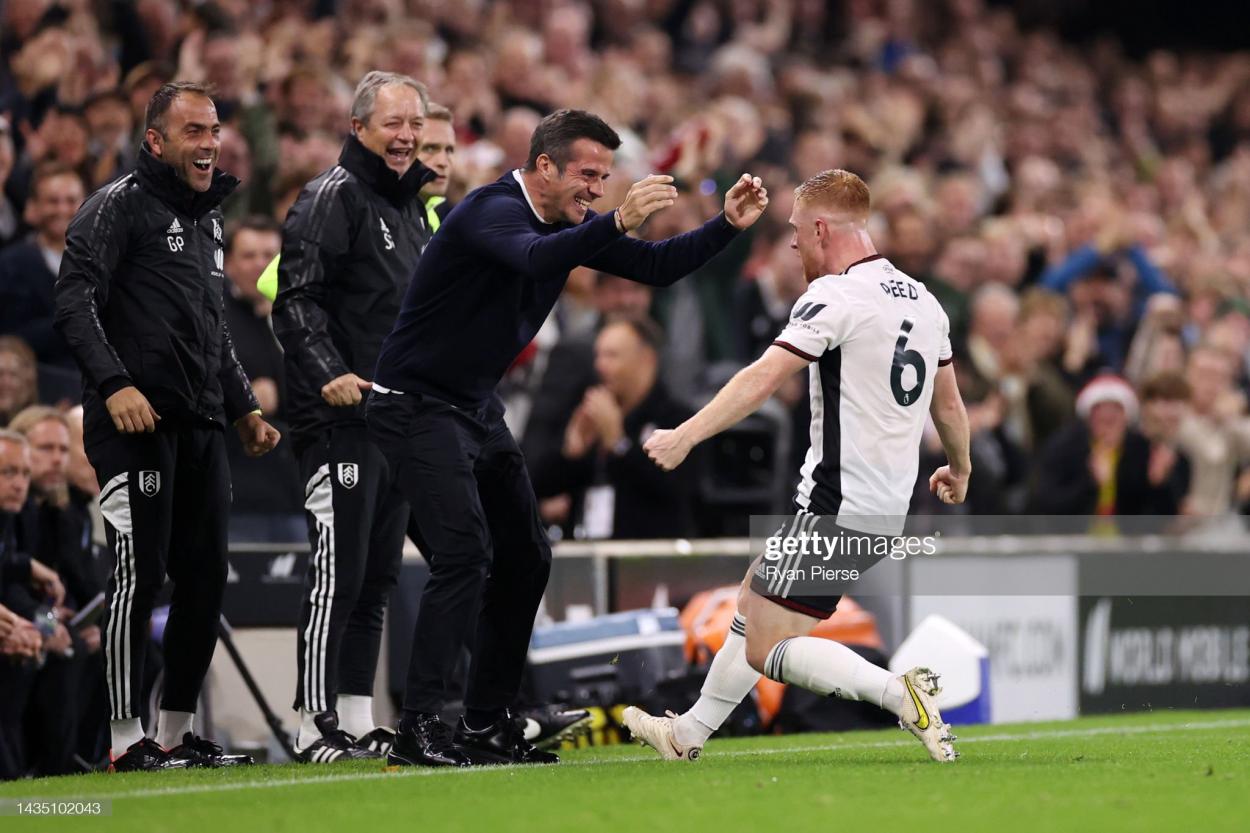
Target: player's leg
x,y
197,566
137,478
344,477
779,647
729,681
362,639
513,591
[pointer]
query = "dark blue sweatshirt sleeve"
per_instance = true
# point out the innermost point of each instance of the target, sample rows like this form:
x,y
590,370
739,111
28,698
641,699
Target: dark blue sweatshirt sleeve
x,y
667,261
503,229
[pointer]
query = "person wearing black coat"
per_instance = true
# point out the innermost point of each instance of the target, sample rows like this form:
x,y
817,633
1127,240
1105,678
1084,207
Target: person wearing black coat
x,y
614,489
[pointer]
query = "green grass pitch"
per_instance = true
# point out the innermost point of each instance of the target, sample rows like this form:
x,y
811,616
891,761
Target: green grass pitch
x,y
1167,771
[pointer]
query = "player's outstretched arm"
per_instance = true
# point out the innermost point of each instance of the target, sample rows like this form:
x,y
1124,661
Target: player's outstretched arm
x,y
950,482
741,396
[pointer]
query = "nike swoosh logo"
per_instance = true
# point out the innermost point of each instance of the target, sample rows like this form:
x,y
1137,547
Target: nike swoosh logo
x,y
922,722
673,747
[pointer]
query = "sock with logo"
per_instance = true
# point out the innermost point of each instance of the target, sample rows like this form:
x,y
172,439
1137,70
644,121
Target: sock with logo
x,y
728,682
171,726
125,733
830,668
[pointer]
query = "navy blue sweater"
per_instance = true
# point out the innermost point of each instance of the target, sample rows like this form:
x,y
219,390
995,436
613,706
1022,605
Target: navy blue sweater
x,y
491,275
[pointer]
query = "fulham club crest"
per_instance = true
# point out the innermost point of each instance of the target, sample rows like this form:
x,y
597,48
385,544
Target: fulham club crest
x,y
149,482
348,474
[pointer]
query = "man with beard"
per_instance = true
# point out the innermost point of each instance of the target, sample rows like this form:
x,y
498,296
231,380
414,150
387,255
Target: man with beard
x,y
139,302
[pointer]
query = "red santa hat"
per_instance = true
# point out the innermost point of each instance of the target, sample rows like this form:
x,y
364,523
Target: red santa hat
x,y
1107,387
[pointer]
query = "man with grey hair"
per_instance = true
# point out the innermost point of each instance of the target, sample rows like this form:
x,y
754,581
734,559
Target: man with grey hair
x,y
350,244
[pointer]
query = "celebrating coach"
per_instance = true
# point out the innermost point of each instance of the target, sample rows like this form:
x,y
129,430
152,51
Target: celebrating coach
x,y
349,248
483,288
139,302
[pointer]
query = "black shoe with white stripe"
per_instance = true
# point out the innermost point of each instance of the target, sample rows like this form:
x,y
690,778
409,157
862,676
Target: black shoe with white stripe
x,y
333,745
380,740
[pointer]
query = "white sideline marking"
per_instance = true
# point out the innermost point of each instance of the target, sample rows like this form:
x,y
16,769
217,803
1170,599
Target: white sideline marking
x,y
409,772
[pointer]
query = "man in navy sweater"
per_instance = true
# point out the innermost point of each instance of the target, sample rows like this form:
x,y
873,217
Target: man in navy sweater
x,y
484,286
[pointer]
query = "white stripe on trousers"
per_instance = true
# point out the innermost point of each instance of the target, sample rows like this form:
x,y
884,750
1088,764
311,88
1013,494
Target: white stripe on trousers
x,y
319,503
116,511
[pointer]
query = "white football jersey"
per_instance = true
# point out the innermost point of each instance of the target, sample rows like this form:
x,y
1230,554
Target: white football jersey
x,y
875,338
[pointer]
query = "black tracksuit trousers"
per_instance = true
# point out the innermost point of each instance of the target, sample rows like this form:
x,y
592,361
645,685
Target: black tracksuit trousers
x,y
165,498
356,522
489,558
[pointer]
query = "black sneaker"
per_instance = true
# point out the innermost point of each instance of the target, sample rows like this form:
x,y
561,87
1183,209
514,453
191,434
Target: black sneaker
x,y
201,752
549,726
334,744
380,740
425,741
503,742
146,755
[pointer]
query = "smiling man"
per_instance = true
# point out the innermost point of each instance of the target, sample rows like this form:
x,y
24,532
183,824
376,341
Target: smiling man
x,y
349,248
437,152
484,286
139,303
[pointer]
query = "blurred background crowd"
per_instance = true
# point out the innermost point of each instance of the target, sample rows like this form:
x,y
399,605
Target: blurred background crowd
x,y
1078,202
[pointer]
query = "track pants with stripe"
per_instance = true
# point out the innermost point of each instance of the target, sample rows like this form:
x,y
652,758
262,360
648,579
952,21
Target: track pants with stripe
x,y
356,520
165,498
479,529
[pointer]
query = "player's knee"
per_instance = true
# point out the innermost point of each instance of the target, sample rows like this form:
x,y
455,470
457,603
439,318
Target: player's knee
x,y
757,652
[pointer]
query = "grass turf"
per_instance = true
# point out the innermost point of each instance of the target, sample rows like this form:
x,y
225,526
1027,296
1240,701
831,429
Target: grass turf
x,y
1162,771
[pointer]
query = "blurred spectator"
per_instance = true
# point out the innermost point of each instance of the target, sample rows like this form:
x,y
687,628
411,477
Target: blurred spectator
x,y
57,531
19,385
1215,435
570,364
251,244
10,217
28,269
603,483
1164,405
1101,464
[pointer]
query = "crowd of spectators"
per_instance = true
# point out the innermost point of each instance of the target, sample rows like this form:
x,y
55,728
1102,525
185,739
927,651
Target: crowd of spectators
x,y
1081,213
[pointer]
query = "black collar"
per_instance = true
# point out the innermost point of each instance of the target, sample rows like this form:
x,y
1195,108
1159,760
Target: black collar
x,y
862,260
162,180
372,170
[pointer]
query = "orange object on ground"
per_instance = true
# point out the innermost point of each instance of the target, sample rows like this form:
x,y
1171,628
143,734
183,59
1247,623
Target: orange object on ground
x,y
706,619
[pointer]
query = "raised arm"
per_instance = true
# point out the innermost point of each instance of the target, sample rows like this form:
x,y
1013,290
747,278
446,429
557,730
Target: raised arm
x,y
950,482
741,396
665,262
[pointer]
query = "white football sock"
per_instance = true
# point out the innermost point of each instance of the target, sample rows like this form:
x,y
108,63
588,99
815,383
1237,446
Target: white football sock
x,y
171,726
356,714
728,682
827,667
125,733
308,731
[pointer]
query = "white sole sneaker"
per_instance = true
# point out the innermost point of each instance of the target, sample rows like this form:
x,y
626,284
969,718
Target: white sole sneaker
x,y
921,716
657,732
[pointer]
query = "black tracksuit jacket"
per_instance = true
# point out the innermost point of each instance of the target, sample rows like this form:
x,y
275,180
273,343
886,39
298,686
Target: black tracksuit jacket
x,y
350,245
139,300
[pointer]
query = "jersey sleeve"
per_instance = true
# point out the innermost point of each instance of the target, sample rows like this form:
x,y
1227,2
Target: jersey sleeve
x,y
945,354
818,323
